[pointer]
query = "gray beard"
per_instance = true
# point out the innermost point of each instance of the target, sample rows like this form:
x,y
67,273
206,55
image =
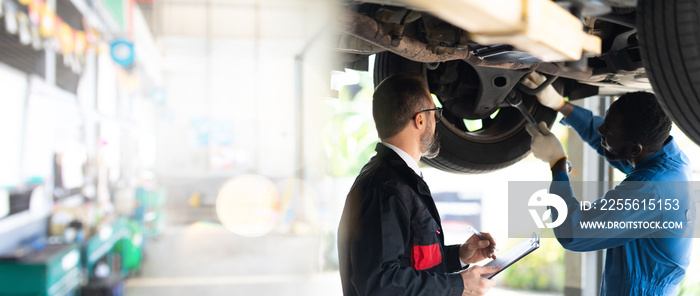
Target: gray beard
x,y
429,144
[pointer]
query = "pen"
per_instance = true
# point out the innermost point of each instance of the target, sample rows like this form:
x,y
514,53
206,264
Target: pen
x,y
477,233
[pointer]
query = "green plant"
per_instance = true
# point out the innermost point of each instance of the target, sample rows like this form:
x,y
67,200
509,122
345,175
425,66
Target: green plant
x,y
350,136
541,270
688,288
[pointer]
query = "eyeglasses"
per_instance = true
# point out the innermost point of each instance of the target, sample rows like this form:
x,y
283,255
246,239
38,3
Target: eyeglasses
x,y
438,113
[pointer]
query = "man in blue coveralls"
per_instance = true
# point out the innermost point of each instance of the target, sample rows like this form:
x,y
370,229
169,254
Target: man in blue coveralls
x,y
634,138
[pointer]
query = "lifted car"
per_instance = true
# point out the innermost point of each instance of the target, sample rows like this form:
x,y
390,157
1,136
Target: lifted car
x,y
473,64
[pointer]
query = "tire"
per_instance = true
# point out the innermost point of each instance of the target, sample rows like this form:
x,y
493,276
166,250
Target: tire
x,y
467,152
669,41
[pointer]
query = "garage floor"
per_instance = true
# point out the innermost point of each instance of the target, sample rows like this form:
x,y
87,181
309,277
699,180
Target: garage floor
x,y
203,258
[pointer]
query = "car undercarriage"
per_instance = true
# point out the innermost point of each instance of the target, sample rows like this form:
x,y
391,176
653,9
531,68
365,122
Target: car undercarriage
x,y
585,48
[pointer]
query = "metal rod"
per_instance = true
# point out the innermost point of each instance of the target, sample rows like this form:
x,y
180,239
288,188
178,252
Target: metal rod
x,y
368,29
516,101
538,89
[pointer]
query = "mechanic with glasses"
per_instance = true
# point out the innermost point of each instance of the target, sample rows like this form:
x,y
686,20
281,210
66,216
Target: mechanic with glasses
x,y
390,239
438,113
634,138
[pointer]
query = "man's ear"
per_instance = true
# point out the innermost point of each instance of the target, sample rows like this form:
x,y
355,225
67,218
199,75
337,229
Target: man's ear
x,y
419,120
636,149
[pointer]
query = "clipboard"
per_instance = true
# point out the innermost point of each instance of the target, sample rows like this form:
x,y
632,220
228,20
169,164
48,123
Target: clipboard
x,y
514,254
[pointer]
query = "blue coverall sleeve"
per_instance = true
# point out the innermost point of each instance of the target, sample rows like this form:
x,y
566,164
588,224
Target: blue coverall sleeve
x,y
574,235
586,126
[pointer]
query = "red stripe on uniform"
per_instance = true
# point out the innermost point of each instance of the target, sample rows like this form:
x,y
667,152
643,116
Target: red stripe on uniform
x,y
425,257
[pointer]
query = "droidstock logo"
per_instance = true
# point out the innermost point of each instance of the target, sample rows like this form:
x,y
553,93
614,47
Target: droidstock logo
x,y
543,198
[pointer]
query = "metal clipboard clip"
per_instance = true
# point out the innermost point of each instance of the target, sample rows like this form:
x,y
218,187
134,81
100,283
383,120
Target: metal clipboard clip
x,y
535,239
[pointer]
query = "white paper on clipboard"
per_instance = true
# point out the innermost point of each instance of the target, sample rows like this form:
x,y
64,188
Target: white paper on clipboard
x,y
514,254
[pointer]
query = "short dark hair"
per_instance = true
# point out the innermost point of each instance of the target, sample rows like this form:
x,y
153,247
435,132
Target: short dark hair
x,y
396,100
643,119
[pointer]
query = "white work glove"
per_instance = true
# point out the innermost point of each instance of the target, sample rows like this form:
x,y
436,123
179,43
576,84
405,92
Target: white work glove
x,y
545,145
548,97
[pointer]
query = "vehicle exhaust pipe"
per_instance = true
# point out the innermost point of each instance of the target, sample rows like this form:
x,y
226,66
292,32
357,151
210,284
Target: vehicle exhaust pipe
x,y
370,30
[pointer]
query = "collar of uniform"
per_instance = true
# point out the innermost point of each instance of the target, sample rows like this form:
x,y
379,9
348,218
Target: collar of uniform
x,y
412,177
406,158
670,148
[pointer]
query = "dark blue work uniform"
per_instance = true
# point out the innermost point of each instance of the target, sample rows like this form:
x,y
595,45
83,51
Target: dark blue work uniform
x,y
390,239
638,261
